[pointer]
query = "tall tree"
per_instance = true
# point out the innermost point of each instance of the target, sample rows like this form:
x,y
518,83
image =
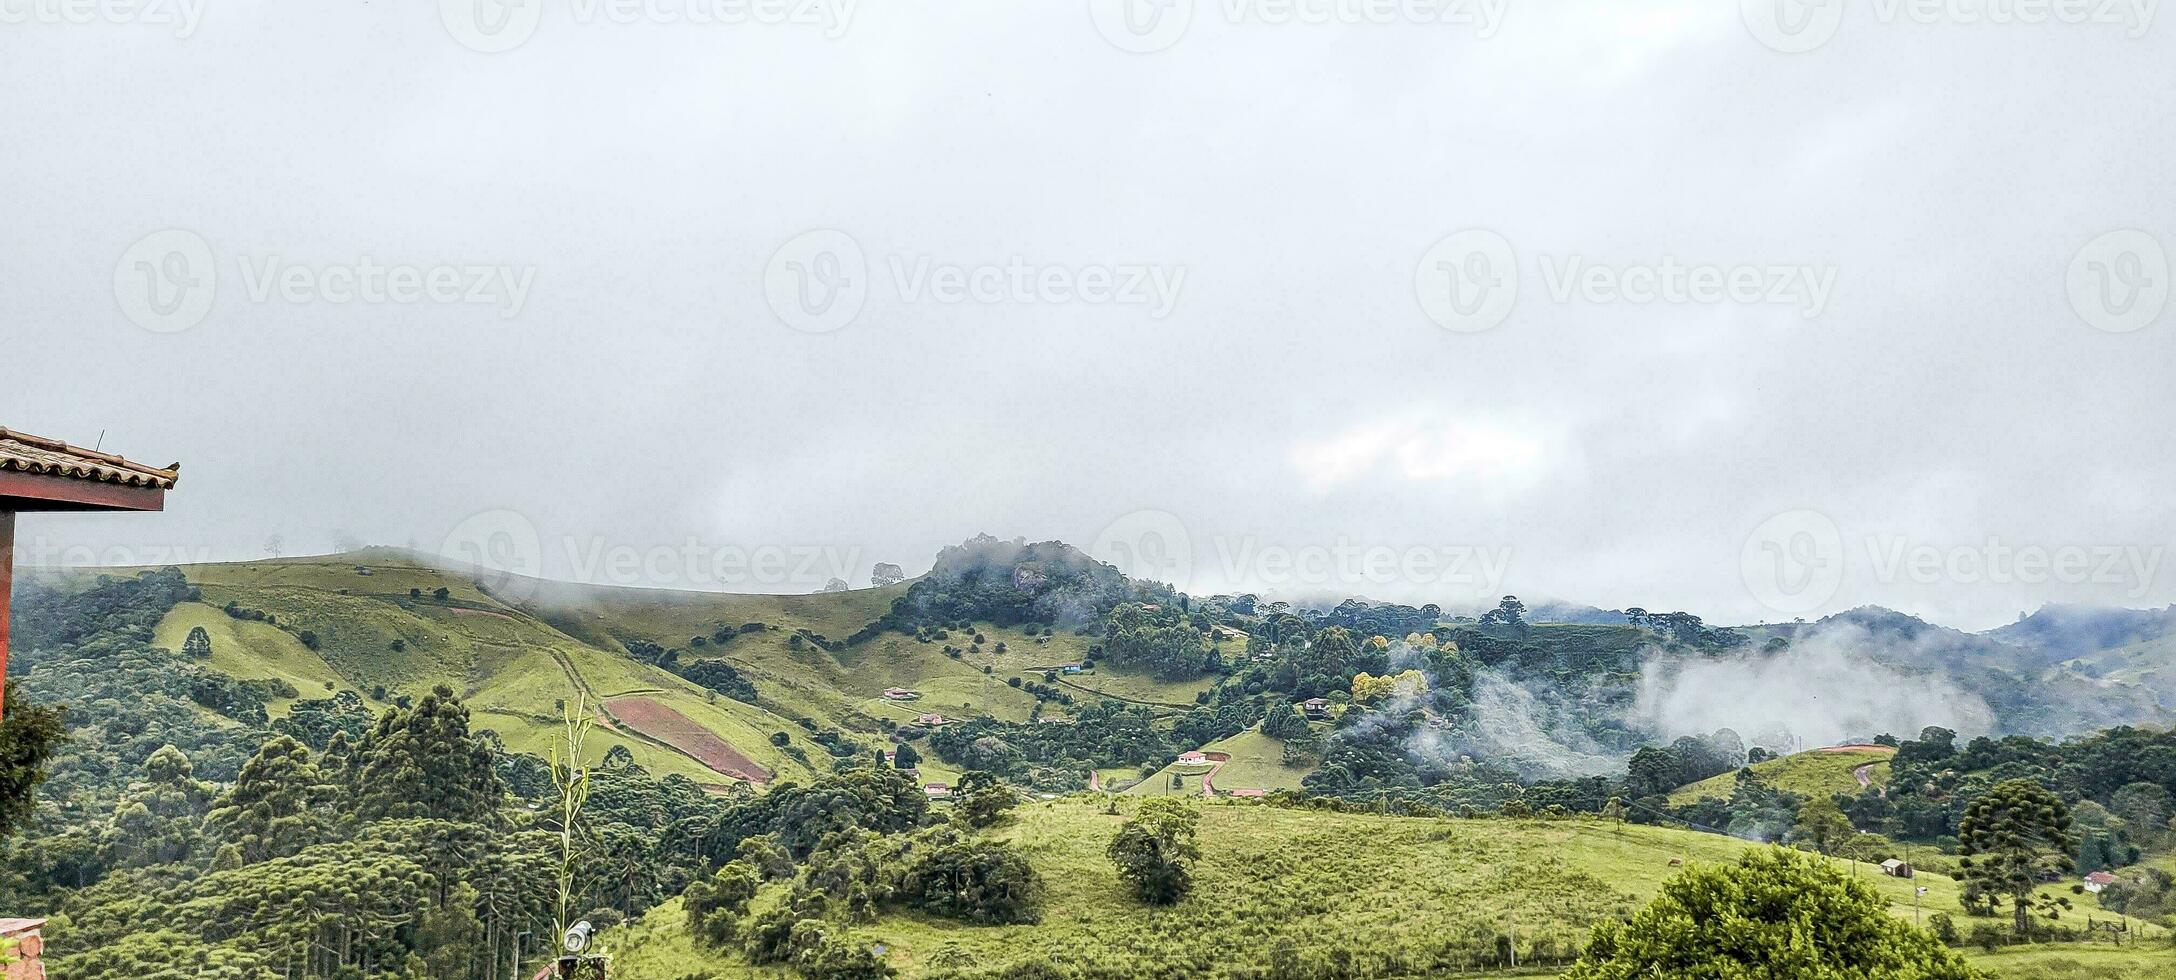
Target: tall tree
x,y
159,819
422,762
1822,824
29,734
2010,836
277,805
1155,851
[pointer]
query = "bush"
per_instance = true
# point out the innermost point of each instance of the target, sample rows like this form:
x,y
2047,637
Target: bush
x,y
984,882
1788,915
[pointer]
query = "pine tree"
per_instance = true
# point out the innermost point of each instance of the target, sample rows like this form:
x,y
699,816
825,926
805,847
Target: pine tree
x,y
276,807
157,820
198,645
422,762
2009,836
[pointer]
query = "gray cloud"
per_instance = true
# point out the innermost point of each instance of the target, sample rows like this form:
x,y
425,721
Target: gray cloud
x,y
645,393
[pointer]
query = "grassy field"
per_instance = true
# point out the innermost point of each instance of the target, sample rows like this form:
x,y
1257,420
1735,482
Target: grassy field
x,y
512,669
1257,762
1310,881
1815,774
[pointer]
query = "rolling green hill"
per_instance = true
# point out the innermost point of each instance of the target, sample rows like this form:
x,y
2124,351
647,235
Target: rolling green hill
x,y
514,669
1308,882
1815,774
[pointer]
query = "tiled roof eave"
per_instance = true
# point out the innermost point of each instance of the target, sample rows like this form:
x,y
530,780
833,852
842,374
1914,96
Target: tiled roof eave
x,y
38,456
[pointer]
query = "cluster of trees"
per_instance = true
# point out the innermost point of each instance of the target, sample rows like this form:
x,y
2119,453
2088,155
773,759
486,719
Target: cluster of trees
x,y
2119,784
1656,770
846,849
1789,916
1010,583
719,676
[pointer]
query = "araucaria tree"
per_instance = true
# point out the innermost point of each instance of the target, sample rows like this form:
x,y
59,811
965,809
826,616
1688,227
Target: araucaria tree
x,y
1776,913
1155,851
421,762
2010,837
277,805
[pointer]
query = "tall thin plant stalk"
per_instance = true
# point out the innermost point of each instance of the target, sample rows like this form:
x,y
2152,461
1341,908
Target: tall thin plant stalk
x,y
572,778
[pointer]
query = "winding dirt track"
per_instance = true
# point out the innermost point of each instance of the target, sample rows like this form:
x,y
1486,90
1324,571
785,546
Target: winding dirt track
x,y
1862,774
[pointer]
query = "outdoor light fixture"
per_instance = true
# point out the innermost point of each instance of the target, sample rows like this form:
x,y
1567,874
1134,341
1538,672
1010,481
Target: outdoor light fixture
x,y
577,937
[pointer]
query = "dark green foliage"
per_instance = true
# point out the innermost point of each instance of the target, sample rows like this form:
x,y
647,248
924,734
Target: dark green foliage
x,y
716,905
799,817
29,735
198,645
2010,836
719,676
1009,583
278,805
1775,913
984,882
421,762
981,800
1155,851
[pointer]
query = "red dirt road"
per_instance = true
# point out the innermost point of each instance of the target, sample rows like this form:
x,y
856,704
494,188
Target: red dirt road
x,y
661,722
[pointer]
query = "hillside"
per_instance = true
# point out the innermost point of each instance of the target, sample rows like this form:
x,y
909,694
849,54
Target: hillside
x,y
1295,885
382,632
1814,774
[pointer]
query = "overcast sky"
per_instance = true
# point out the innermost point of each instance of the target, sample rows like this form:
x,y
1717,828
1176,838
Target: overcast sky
x,y
1346,308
